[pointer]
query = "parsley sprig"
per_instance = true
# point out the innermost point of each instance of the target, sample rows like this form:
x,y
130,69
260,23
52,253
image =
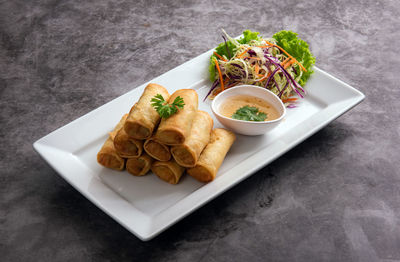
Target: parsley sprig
x,y
164,109
248,113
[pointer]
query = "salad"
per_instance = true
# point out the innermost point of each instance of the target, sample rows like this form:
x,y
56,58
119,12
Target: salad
x,y
282,64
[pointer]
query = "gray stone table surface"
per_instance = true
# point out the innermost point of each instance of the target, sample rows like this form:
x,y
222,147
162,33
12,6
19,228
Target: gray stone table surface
x,y
334,197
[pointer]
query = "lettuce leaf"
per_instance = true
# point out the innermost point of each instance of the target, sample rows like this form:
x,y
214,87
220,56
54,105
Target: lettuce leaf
x,y
222,50
211,69
248,36
297,48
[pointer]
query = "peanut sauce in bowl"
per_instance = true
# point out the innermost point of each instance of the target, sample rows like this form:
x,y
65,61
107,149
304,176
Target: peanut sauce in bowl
x,y
229,101
231,105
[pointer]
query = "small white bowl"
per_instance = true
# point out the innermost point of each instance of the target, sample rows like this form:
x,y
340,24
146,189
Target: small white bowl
x,y
250,128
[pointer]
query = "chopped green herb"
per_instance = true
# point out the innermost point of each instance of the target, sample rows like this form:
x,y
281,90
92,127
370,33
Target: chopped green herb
x,y
164,109
248,113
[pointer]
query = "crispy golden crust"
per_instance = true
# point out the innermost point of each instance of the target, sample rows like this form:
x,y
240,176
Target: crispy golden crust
x,y
201,173
188,153
118,127
126,146
213,155
157,150
172,136
139,166
143,118
176,128
184,155
168,171
107,156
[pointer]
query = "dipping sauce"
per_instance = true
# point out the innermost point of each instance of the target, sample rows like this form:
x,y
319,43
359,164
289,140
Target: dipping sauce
x,y
233,103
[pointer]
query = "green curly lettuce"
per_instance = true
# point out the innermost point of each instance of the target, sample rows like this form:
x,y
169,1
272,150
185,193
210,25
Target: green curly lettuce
x,y
248,36
297,48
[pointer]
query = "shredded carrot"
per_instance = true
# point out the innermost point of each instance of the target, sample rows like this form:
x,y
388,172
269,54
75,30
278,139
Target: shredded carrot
x,y
219,90
257,69
244,52
220,57
221,81
284,62
264,77
229,86
290,99
283,50
264,46
288,64
216,92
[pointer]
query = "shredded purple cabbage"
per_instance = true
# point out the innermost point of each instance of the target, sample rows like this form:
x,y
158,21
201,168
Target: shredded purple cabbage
x,y
271,77
238,66
289,78
276,84
227,49
251,52
283,89
214,85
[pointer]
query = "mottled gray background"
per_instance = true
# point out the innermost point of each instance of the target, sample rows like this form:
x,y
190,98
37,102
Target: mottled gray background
x,y
335,197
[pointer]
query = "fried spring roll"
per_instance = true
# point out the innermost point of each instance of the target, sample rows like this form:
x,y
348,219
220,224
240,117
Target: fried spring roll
x,y
118,127
176,128
213,155
108,156
168,171
157,150
127,146
139,166
188,153
143,118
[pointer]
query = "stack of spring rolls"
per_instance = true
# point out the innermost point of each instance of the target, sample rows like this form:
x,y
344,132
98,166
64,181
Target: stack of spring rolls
x,y
185,141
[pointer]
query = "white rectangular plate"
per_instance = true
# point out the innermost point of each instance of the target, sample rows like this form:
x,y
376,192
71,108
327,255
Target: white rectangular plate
x,y
146,205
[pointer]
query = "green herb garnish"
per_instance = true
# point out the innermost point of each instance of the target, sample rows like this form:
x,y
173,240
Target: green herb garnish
x,y
248,113
164,109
